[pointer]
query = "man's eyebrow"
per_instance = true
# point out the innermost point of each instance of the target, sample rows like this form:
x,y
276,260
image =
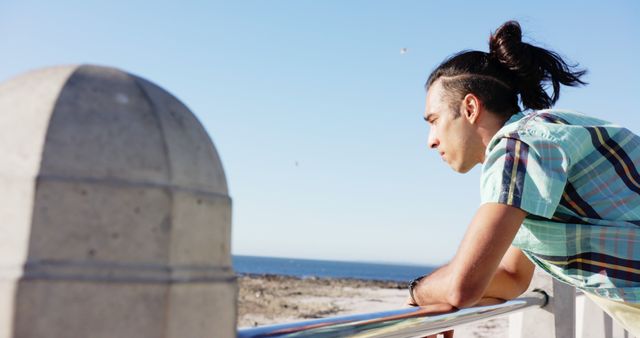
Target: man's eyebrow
x,y
428,117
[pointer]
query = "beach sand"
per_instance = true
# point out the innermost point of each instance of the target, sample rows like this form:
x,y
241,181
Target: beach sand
x,y
272,299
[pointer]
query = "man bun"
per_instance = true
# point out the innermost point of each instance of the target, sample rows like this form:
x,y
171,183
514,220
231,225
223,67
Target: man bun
x,y
506,47
531,68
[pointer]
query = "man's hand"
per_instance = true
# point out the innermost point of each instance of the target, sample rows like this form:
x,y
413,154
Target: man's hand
x,y
436,310
409,302
449,333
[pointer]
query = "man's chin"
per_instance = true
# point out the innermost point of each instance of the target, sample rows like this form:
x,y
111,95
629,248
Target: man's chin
x,y
461,169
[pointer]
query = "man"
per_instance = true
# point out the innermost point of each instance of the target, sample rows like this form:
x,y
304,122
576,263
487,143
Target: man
x,y
559,189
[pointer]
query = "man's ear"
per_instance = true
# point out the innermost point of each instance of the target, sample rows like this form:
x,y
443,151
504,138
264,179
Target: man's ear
x,y
471,107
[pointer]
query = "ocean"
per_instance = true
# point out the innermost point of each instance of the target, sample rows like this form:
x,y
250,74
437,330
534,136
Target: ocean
x,y
306,268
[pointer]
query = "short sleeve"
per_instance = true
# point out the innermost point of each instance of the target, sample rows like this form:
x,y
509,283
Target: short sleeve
x,y
527,174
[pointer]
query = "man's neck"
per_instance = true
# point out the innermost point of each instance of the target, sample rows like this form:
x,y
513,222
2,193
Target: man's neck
x,y
490,127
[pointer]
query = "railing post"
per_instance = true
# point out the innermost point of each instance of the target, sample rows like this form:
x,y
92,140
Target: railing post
x,y
563,305
565,316
557,319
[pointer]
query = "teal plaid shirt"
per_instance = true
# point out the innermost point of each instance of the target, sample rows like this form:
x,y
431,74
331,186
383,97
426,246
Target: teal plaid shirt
x,y
577,178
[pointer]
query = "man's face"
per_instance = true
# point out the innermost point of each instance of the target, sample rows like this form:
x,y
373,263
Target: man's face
x,y
451,133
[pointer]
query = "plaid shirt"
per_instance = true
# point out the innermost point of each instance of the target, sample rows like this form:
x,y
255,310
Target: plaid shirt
x,y
577,178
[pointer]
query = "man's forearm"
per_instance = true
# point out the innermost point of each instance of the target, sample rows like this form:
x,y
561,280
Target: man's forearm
x,y
435,288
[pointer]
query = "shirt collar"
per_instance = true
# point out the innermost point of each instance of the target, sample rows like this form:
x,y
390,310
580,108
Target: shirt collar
x,y
515,117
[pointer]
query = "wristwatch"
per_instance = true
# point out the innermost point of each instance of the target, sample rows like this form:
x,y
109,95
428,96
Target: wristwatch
x,y
412,285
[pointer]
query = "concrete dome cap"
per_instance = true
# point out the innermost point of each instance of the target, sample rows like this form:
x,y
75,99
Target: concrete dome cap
x,y
100,165
105,124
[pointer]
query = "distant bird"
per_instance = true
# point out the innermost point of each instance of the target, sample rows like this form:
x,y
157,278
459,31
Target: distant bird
x,y
404,50
296,163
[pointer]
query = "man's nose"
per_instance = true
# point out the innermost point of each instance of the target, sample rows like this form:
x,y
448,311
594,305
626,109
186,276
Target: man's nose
x,y
432,141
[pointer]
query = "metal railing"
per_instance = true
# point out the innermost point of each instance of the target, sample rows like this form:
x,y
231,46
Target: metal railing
x,y
404,323
552,314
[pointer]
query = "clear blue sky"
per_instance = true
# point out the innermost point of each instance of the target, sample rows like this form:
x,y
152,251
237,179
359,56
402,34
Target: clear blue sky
x,y
316,114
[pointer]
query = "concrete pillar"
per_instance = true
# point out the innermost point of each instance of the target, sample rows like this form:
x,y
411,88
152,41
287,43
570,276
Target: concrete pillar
x,y
115,214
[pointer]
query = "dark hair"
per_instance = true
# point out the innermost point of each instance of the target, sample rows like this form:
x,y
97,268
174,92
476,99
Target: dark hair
x,y
512,68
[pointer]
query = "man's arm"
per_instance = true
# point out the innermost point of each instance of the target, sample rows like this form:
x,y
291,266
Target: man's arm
x,y
512,277
465,280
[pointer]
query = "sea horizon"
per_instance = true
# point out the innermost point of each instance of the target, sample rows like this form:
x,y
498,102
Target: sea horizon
x,y
406,263
306,268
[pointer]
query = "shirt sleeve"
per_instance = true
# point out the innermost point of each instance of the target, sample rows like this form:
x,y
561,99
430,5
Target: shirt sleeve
x,y
527,174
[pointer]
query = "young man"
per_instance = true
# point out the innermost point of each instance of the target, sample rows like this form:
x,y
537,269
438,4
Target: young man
x,y
559,189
